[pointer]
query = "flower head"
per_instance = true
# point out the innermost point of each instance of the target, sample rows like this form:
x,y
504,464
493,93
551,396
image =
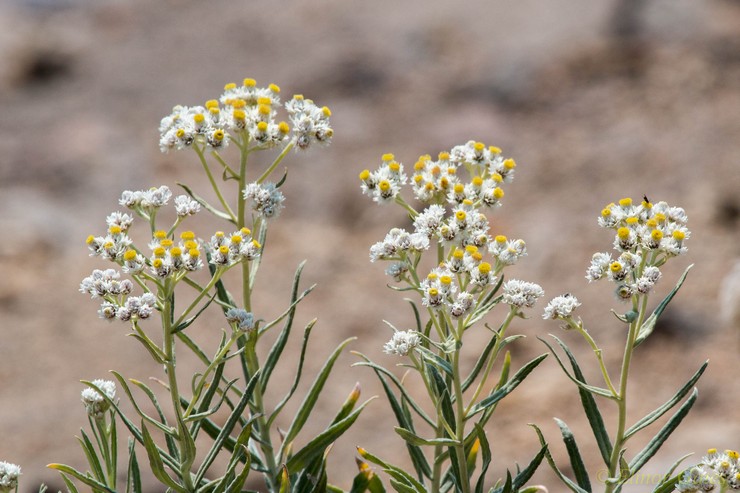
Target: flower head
x,y
402,342
561,306
243,319
9,474
521,294
95,404
266,199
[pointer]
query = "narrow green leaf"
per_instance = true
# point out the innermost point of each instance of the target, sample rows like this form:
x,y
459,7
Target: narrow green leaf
x,y
485,456
161,426
508,488
405,420
317,446
92,457
526,474
225,431
91,482
206,205
506,389
414,439
133,479
186,323
399,477
312,396
169,438
651,448
298,373
648,325
480,363
153,350
590,407
277,348
71,488
566,480
155,462
417,316
657,413
349,404
436,360
594,390
668,485
576,462
239,479
380,370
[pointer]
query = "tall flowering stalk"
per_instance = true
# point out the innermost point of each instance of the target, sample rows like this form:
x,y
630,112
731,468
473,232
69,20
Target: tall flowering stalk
x,y
647,235
464,285
141,286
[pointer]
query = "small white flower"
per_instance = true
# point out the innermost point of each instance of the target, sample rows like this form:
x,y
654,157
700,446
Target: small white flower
x,y
9,474
310,123
561,307
119,219
94,402
462,304
521,293
266,199
185,206
599,266
429,220
242,318
402,342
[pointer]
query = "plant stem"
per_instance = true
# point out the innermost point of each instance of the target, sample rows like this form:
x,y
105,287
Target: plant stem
x,y
460,423
170,365
257,408
619,440
207,169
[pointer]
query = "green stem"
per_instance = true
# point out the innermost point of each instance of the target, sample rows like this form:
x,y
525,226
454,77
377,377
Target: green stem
x,y
492,359
170,366
275,163
597,352
221,161
216,276
212,180
619,440
257,407
460,423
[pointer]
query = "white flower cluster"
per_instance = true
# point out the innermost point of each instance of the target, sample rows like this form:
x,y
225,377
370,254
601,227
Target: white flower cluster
x,y
116,302
266,200
235,248
646,236
310,123
9,474
438,181
245,113
384,184
716,472
521,294
105,284
95,403
167,257
185,206
243,319
402,342
561,307
397,244
153,198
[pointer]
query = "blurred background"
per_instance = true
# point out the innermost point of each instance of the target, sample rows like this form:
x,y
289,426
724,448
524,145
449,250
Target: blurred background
x,y
595,100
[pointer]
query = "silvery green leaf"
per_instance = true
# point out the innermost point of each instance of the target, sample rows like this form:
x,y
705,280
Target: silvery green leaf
x,y
648,325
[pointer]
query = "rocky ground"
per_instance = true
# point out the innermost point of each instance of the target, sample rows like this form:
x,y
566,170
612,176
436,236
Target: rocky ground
x,y
594,105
